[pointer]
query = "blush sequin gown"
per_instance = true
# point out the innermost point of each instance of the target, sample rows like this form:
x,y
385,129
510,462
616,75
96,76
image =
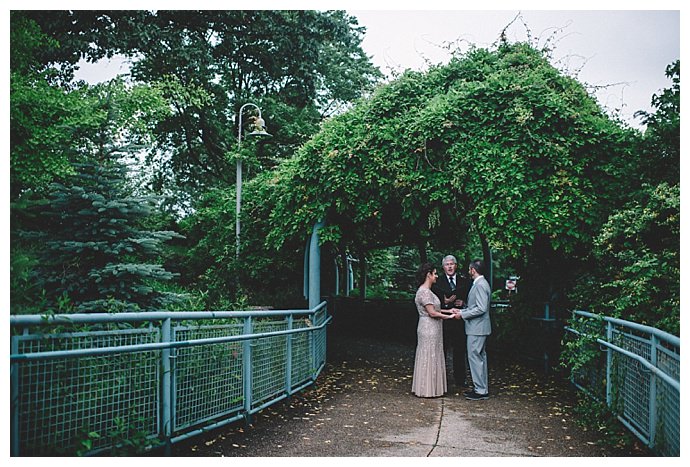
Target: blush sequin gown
x,y
429,377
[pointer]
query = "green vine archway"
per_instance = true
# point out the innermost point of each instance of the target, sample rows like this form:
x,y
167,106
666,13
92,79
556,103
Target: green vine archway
x,y
496,139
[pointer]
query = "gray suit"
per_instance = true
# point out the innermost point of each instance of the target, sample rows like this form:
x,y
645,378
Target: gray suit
x,y
477,328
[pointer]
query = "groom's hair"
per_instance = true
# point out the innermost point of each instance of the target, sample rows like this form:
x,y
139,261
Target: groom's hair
x,y
478,265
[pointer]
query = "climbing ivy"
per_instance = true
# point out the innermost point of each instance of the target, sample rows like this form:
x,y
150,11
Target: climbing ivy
x,y
523,150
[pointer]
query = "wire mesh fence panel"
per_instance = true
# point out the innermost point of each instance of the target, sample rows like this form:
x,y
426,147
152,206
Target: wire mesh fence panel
x,y
302,354
631,393
590,375
668,401
668,420
268,362
320,338
668,359
640,376
207,381
67,405
115,384
632,382
593,378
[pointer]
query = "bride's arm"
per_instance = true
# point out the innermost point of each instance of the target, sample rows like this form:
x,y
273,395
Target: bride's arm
x,y
431,311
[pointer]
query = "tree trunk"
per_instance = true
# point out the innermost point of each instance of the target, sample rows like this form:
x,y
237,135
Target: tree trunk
x,y
421,245
486,250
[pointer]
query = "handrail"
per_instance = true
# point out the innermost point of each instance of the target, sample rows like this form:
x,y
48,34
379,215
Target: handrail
x,y
267,366
642,377
673,340
20,320
157,345
673,382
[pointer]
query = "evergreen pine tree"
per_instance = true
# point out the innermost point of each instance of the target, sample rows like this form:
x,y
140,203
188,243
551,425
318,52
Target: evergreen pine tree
x,y
97,256
95,253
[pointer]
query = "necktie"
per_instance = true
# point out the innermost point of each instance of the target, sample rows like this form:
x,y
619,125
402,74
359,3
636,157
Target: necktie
x,y
452,283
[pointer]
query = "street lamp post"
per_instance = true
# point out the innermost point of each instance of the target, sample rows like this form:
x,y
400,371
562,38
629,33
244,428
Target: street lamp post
x,y
259,129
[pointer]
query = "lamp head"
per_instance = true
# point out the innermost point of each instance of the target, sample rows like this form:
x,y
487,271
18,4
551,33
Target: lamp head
x,y
258,127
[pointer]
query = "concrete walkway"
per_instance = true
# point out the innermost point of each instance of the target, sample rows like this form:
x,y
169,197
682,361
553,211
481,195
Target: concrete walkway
x,y
361,405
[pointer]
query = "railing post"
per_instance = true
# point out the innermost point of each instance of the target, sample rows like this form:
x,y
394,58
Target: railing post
x,y
247,370
322,338
14,402
312,346
652,392
350,274
166,393
288,357
609,364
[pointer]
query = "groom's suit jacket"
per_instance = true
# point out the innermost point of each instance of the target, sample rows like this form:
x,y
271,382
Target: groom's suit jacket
x,y
476,315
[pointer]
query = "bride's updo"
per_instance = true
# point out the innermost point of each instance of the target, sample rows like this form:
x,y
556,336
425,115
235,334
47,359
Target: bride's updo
x,y
424,269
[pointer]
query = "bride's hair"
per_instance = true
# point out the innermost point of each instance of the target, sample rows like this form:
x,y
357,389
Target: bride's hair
x,y
423,270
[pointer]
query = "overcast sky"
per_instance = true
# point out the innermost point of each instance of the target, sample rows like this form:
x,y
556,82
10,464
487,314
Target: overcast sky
x,y
624,52
627,50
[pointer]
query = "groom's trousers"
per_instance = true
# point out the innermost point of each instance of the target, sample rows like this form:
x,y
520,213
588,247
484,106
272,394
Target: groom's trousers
x,y
476,356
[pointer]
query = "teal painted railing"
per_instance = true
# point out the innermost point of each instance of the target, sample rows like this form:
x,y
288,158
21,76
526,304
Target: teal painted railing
x,y
91,383
637,374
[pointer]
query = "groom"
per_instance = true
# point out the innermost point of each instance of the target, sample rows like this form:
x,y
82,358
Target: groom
x,y
477,328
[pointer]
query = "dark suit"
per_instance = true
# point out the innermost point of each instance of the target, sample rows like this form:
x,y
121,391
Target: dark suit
x,y
454,330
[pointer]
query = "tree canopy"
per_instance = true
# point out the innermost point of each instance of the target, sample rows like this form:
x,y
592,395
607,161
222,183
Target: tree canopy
x,y
299,66
637,251
498,144
501,139
191,71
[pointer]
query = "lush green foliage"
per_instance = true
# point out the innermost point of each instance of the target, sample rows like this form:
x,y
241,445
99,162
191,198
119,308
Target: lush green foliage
x,y
497,145
44,119
94,255
299,66
500,139
662,137
637,252
77,238
55,41
639,248
268,277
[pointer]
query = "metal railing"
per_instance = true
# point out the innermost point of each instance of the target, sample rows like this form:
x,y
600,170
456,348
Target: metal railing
x,y
637,374
88,383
